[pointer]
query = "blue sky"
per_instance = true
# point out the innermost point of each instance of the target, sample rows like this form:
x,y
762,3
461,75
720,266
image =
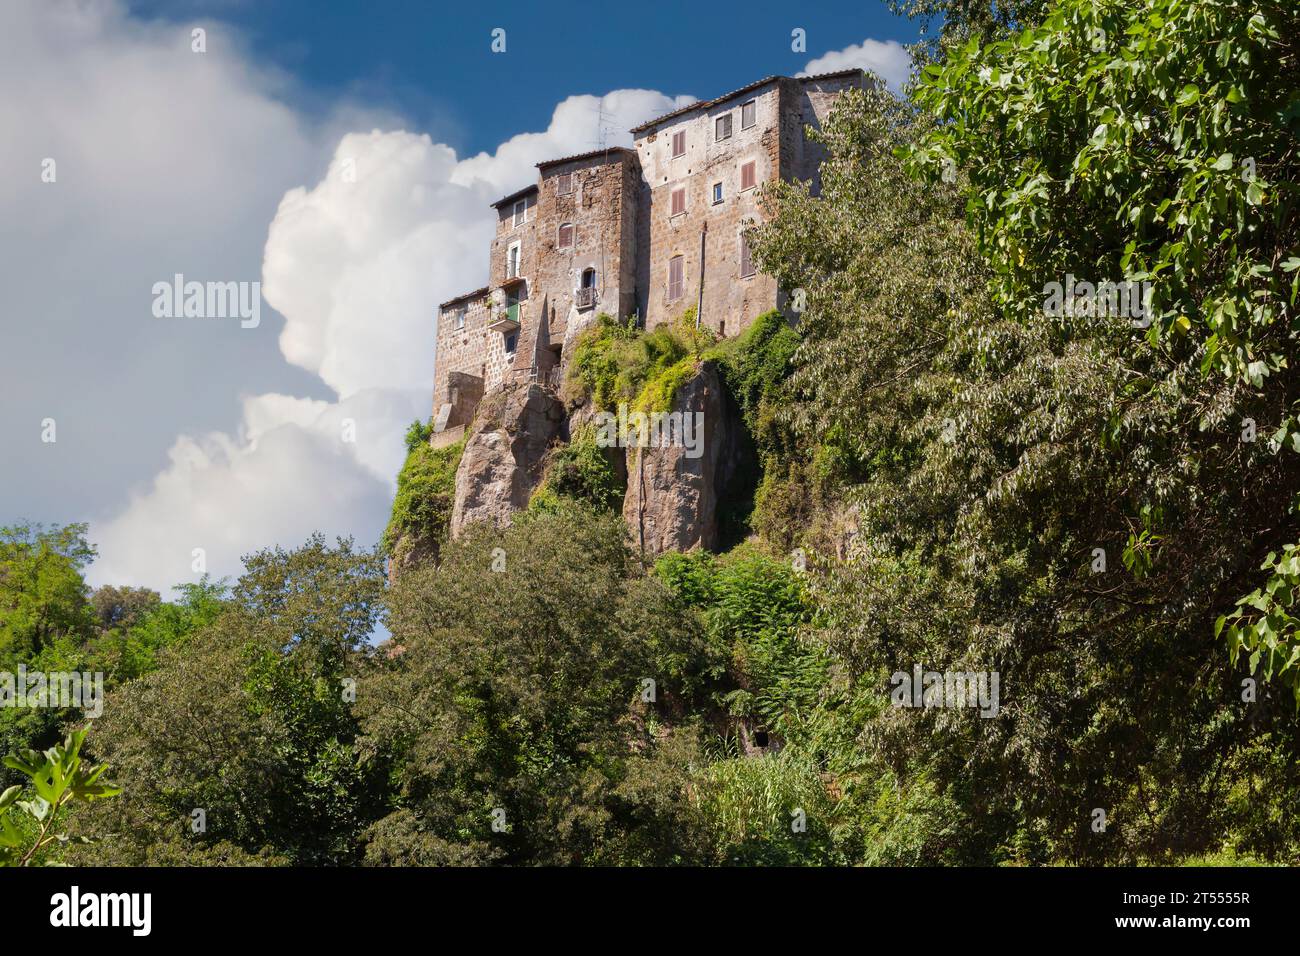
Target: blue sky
x,y
432,62
180,436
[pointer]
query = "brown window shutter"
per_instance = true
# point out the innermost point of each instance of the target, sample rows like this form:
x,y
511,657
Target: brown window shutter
x,y
746,259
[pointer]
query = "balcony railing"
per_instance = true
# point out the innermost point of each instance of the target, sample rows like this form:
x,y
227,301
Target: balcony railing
x,y
503,322
552,378
585,298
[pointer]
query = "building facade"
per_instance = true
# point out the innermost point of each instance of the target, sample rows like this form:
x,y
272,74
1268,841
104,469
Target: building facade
x,y
648,231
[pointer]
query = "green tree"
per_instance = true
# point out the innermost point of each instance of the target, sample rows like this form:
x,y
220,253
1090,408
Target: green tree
x,y
42,591
989,450
248,724
512,702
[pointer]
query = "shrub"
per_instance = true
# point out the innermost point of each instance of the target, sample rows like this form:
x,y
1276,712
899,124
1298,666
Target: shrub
x,y
579,471
615,363
426,491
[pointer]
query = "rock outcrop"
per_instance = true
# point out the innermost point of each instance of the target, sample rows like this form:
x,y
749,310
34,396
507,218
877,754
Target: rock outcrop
x,y
692,460
674,486
503,457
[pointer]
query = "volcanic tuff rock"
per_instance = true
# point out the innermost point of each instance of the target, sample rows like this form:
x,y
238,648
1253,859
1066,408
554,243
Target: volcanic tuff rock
x,y
672,495
502,463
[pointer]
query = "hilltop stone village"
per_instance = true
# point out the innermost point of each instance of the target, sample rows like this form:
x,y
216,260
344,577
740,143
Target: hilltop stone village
x,y
641,234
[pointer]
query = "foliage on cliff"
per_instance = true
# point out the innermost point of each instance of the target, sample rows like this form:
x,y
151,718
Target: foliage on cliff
x,y
426,490
580,471
614,363
509,712
1066,501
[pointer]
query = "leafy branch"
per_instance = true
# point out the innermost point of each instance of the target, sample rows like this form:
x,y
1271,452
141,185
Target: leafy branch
x,y
58,777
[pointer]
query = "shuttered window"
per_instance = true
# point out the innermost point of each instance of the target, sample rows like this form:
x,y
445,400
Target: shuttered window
x,y
748,114
564,185
679,144
746,260
748,176
722,127
679,202
566,235
676,278
521,211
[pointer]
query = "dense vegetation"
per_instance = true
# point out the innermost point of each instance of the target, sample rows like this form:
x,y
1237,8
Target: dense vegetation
x,y
426,490
950,476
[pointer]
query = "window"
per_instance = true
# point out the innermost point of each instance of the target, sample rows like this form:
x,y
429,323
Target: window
x,y
676,278
512,261
458,319
679,202
521,212
746,260
679,144
564,184
717,193
748,176
511,340
748,114
586,295
722,128
566,236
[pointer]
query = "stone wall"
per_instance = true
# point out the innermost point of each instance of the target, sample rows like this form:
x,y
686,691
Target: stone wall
x,y
731,300
621,210
602,199
450,419
508,233
807,102
472,350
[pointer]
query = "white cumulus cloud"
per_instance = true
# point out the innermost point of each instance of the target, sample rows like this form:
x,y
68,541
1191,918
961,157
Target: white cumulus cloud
x,y
356,265
888,59
170,161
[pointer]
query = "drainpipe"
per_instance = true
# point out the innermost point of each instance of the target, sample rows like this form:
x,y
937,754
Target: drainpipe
x,y
699,305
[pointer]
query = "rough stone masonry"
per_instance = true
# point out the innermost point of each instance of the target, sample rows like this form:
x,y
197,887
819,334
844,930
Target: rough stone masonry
x,y
648,231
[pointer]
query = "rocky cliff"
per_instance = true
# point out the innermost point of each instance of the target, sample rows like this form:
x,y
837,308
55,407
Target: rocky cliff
x,y
676,473
674,486
504,454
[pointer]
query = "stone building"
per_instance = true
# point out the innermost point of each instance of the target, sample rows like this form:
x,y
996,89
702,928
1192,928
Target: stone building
x,y
648,232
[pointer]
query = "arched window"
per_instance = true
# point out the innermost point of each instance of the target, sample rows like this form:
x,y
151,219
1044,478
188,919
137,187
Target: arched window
x,y
587,289
565,240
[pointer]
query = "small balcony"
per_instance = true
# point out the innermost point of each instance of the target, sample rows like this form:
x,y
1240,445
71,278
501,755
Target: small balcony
x,y
504,322
585,299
